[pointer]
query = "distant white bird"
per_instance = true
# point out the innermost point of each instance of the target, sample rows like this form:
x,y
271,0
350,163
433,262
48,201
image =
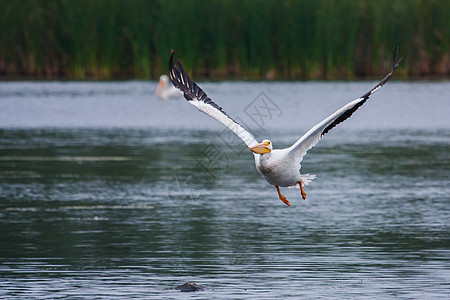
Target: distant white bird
x,y
280,167
164,90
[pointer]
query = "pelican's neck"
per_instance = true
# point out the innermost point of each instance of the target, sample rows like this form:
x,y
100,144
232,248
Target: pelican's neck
x,y
261,158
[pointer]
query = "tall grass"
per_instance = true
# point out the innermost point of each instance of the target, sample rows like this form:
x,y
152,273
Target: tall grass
x,y
283,39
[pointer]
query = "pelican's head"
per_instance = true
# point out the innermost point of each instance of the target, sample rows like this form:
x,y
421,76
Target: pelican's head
x,y
163,81
264,147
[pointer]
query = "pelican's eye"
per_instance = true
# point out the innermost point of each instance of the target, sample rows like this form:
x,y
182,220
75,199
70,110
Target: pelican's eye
x,y
268,143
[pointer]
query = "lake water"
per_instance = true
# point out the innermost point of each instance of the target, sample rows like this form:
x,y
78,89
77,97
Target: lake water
x,y
107,192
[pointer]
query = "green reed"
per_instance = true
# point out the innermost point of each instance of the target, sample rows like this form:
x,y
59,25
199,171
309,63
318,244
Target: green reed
x,y
253,39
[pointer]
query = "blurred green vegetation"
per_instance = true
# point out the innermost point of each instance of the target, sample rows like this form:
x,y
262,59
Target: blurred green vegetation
x,y
252,39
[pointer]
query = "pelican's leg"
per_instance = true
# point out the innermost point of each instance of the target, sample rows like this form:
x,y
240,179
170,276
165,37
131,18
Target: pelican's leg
x,y
302,190
282,198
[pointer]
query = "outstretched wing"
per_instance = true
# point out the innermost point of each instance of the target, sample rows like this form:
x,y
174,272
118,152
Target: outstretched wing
x,y
315,134
197,97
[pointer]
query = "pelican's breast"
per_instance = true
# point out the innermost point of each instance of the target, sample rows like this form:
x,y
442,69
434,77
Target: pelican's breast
x,y
278,169
267,169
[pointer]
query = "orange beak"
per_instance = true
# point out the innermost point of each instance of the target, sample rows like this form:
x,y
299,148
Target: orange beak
x,y
159,88
260,148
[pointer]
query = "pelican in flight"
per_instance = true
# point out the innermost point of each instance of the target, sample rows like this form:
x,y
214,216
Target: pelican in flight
x,y
280,167
164,90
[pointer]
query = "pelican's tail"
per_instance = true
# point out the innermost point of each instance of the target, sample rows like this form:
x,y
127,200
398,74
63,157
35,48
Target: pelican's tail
x,y
306,179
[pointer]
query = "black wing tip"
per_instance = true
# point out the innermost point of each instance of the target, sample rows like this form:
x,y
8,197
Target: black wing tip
x,y
181,80
171,68
395,65
181,69
171,60
364,97
397,60
175,72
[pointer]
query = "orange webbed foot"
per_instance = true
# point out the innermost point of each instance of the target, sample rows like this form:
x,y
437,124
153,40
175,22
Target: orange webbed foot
x,y
302,191
282,198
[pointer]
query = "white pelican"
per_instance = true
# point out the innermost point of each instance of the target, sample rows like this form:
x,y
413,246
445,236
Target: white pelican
x,y
165,91
280,167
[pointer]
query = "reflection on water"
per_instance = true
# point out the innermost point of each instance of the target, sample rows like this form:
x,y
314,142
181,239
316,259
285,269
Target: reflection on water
x,y
102,212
